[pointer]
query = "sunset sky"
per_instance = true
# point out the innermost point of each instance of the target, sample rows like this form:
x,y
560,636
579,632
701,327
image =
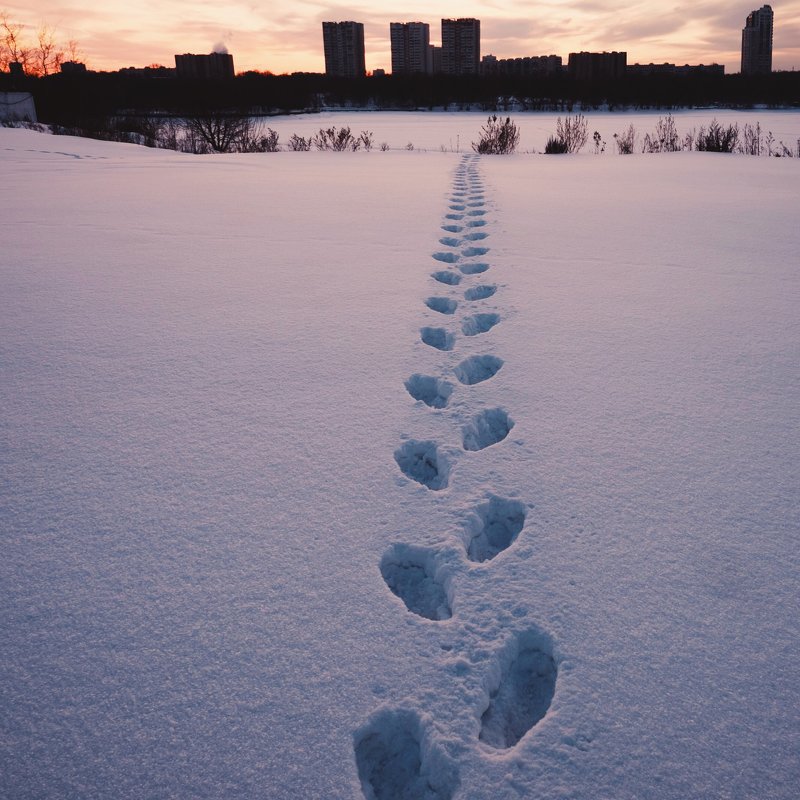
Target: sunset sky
x,y
286,35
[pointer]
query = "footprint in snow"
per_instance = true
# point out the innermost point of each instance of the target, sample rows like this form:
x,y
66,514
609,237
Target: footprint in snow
x,y
444,305
479,292
479,323
446,258
520,689
477,369
434,392
474,267
468,252
450,241
450,278
416,577
493,528
475,237
439,338
422,462
397,759
487,428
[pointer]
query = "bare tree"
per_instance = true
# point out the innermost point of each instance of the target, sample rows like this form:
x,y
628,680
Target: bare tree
x,y
12,46
219,130
47,55
73,51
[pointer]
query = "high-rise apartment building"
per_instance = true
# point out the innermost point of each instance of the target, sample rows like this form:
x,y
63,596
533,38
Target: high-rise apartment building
x,y
597,66
410,47
461,46
757,42
344,49
205,67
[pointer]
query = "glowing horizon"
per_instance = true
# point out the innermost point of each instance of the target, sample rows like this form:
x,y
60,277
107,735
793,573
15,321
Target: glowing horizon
x,y
287,36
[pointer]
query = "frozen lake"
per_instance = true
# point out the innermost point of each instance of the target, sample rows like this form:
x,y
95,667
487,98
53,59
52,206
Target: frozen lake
x,y
454,131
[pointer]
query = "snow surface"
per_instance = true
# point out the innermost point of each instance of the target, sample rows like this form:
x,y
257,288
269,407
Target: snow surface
x,y
245,552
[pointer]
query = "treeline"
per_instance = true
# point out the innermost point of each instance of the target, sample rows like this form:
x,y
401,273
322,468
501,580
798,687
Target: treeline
x,y
71,99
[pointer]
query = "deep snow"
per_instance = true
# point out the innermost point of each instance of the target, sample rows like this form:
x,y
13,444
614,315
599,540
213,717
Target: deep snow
x,y
275,525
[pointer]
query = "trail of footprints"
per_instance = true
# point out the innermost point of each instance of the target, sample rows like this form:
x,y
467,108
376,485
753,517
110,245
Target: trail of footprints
x,y
395,751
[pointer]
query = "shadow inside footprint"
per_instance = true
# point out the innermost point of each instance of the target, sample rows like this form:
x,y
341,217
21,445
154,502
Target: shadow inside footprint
x,y
449,241
477,369
434,392
438,338
396,760
474,251
422,462
487,428
446,258
475,237
450,278
480,292
413,575
494,527
444,305
476,223
524,688
479,323
453,228
474,267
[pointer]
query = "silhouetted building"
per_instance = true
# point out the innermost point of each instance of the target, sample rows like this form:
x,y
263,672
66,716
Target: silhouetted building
x,y
461,46
597,66
153,71
211,66
435,59
73,68
410,47
529,65
344,49
686,70
757,42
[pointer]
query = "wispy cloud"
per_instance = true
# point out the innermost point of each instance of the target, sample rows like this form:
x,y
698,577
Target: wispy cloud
x,y
286,35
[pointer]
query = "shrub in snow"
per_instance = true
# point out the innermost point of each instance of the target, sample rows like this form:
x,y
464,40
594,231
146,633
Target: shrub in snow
x,y
626,141
299,143
751,143
665,139
497,137
718,139
555,147
571,136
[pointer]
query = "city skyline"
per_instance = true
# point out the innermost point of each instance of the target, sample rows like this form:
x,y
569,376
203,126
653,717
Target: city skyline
x,y
285,37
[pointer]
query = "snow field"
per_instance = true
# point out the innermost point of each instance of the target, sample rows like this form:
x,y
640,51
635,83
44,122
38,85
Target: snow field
x,y
245,552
